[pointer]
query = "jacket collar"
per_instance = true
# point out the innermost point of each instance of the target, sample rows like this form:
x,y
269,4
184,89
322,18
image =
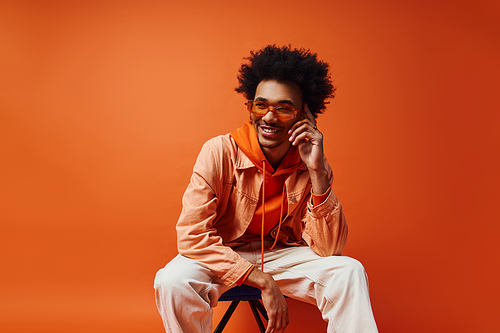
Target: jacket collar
x,y
242,161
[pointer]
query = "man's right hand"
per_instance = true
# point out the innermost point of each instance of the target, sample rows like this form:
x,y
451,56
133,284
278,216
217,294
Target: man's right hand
x,y
272,298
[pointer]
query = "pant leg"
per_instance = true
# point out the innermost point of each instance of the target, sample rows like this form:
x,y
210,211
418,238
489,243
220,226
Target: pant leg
x,y
186,292
338,285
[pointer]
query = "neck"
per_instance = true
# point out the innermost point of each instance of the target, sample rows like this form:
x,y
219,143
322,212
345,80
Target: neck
x,y
274,155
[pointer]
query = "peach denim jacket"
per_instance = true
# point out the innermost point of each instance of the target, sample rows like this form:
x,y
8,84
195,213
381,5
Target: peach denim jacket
x,y
220,201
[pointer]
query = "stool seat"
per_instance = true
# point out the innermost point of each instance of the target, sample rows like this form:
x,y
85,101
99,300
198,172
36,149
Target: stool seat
x,y
246,293
241,293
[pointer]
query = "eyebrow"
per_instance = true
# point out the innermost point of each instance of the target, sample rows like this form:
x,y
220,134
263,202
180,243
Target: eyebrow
x,y
287,101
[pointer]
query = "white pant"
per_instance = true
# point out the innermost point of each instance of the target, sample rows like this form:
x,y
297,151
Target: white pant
x,y
186,291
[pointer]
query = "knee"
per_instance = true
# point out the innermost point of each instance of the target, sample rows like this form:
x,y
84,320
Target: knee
x,y
182,274
345,278
169,280
353,267
349,272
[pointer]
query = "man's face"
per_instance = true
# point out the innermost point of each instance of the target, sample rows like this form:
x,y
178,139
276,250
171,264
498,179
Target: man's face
x,y
272,132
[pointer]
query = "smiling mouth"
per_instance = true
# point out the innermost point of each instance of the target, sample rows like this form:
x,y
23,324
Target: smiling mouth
x,y
270,130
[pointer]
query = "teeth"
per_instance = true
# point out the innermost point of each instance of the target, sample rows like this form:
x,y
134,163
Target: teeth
x,y
269,130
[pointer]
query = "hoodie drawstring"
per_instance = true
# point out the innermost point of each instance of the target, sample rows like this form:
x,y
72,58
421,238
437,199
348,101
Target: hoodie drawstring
x,y
264,213
281,219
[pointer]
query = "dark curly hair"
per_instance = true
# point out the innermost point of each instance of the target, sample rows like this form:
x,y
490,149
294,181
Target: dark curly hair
x,y
299,66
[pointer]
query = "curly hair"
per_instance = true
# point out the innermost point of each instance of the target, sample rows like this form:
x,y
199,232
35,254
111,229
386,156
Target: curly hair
x,y
299,66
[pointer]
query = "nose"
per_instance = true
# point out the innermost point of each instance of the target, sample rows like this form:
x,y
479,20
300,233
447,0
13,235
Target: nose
x,y
270,117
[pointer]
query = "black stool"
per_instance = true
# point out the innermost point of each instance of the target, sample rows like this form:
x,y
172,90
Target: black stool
x,y
243,293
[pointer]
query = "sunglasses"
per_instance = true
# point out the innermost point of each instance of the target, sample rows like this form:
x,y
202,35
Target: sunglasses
x,y
283,111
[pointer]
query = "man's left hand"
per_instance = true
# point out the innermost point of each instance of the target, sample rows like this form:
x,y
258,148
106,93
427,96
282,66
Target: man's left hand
x,y
309,140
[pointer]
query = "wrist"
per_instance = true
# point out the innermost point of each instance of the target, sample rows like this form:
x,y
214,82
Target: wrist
x,y
318,172
319,180
259,279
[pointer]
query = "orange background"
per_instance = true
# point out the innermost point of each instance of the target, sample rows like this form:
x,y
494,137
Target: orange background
x,y
105,105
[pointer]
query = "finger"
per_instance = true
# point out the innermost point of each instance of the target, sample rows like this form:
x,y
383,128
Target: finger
x,y
287,320
309,115
271,325
302,138
280,325
299,128
284,321
303,132
278,321
300,123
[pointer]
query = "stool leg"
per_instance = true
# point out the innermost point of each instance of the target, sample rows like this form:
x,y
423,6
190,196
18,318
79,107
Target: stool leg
x,y
261,309
256,305
227,315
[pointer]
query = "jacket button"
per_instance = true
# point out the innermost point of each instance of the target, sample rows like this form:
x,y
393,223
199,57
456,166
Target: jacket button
x,y
273,233
293,199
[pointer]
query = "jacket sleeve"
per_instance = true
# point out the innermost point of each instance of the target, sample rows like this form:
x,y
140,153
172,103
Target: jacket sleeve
x,y
196,235
325,225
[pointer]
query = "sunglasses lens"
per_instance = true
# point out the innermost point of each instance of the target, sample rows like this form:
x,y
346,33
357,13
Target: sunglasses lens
x,y
260,108
284,112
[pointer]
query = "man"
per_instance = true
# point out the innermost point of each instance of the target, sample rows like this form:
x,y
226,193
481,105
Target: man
x,y
260,209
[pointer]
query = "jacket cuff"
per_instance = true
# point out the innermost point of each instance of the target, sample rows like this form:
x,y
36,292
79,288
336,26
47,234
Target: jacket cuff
x,y
237,272
318,199
244,277
327,206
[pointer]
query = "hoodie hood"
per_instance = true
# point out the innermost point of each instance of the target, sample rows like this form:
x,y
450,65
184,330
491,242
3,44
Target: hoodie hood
x,y
247,141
